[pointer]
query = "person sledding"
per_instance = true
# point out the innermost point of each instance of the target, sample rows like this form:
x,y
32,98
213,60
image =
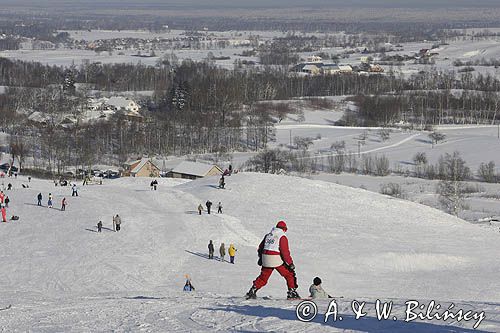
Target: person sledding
x,y
274,253
188,286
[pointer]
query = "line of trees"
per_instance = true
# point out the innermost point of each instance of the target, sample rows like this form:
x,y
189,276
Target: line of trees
x,y
197,107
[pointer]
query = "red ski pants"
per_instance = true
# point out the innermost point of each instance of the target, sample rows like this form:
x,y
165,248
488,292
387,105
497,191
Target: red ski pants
x,y
265,273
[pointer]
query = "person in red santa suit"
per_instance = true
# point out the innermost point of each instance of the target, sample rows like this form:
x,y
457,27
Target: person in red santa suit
x,y
274,254
4,213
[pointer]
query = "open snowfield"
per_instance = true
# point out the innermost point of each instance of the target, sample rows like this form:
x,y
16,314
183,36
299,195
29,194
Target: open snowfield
x,y
69,57
481,205
465,50
62,276
475,143
94,35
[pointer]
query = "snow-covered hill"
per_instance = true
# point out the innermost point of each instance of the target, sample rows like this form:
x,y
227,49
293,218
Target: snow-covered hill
x,y
62,276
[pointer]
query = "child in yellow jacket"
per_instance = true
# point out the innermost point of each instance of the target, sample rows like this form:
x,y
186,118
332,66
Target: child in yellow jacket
x,y
232,252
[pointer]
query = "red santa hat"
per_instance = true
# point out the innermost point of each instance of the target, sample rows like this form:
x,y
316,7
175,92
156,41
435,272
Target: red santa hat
x,y
282,225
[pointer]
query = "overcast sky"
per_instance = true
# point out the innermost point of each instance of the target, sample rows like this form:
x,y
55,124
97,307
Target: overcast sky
x,y
177,4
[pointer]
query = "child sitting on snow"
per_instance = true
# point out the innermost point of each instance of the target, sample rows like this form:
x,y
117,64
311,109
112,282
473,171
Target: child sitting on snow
x,y
188,286
317,291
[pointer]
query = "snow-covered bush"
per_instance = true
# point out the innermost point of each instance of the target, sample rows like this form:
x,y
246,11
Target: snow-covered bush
x,y
392,189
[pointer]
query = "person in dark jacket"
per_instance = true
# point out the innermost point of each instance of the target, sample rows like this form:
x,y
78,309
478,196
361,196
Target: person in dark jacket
x,y
63,204
222,252
7,200
99,226
39,197
211,250
219,208
188,286
208,204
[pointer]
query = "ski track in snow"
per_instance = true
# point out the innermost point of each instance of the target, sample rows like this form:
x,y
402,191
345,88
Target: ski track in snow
x,y
62,276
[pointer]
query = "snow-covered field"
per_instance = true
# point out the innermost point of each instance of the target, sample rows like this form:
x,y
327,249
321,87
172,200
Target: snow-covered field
x,y
480,206
468,49
69,57
473,142
62,276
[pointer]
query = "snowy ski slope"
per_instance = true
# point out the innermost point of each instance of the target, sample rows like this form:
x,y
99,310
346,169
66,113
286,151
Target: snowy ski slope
x,y
62,276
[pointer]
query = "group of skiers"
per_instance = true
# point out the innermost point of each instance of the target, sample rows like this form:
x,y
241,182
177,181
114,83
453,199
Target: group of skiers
x,y
117,223
153,184
222,251
209,204
50,201
274,254
4,204
9,174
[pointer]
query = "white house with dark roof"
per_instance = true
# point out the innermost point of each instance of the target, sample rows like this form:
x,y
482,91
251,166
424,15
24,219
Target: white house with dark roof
x,y
122,103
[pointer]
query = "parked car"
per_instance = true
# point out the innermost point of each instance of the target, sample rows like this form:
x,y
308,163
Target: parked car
x,y
110,174
97,173
6,167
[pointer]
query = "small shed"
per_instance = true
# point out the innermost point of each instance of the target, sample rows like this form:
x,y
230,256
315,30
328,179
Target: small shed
x,y
143,168
194,170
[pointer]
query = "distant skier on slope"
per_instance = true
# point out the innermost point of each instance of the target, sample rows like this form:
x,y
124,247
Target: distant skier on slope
x,y
74,190
117,222
200,208
232,253
222,252
4,214
274,253
49,202
63,204
211,250
208,204
39,198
